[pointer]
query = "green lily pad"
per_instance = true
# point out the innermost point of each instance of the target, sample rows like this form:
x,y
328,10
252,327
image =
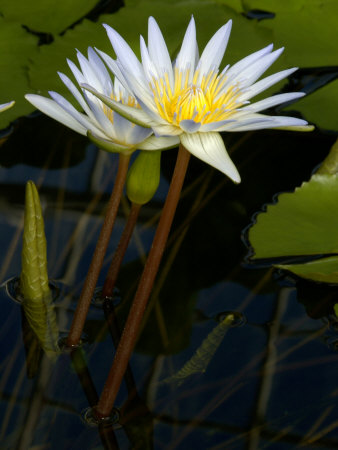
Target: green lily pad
x,y
325,270
308,30
234,4
320,107
277,5
173,18
47,16
293,24
303,222
16,48
294,29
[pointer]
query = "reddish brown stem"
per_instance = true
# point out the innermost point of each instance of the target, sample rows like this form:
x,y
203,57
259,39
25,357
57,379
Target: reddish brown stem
x,y
132,326
120,251
99,253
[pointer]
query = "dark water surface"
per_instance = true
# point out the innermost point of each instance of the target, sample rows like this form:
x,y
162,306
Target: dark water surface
x,y
271,381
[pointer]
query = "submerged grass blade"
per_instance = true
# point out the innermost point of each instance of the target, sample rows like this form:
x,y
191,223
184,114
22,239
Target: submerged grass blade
x,y
199,362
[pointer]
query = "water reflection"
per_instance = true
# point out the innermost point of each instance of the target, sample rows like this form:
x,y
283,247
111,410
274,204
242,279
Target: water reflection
x,y
271,381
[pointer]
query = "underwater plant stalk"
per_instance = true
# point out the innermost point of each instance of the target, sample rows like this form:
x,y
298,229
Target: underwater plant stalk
x,y
120,251
99,253
132,326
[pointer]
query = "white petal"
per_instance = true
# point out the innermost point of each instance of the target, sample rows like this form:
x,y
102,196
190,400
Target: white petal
x,y
125,55
246,121
111,63
255,70
285,121
137,134
76,93
122,127
151,112
52,109
214,51
186,58
159,143
265,122
101,71
237,68
5,106
265,83
215,126
81,118
119,92
135,115
138,90
190,126
209,147
273,101
101,121
88,72
158,51
108,145
148,66
166,130
76,72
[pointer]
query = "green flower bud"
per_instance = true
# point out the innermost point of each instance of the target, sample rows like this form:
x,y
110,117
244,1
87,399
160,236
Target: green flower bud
x,y
34,277
144,177
34,285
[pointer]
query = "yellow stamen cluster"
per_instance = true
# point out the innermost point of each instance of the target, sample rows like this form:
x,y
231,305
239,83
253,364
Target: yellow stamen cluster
x,y
204,101
130,101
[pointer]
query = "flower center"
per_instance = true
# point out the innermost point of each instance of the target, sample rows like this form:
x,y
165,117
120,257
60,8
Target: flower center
x,y
125,100
191,102
206,100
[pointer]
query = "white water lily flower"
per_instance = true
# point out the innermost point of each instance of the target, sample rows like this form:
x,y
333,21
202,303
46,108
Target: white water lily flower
x,y
191,98
5,106
105,127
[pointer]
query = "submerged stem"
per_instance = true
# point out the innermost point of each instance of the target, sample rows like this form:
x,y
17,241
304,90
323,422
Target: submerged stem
x,y
99,253
120,251
132,326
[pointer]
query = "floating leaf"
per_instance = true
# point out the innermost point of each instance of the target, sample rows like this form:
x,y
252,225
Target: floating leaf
x,y
34,284
173,19
330,164
16,48
294,23
199,362
320,107
234,4
324,270
47,16
304,222
277,5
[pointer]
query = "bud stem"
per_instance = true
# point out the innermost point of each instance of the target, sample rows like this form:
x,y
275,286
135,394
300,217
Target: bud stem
x,y
99,253
120,251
